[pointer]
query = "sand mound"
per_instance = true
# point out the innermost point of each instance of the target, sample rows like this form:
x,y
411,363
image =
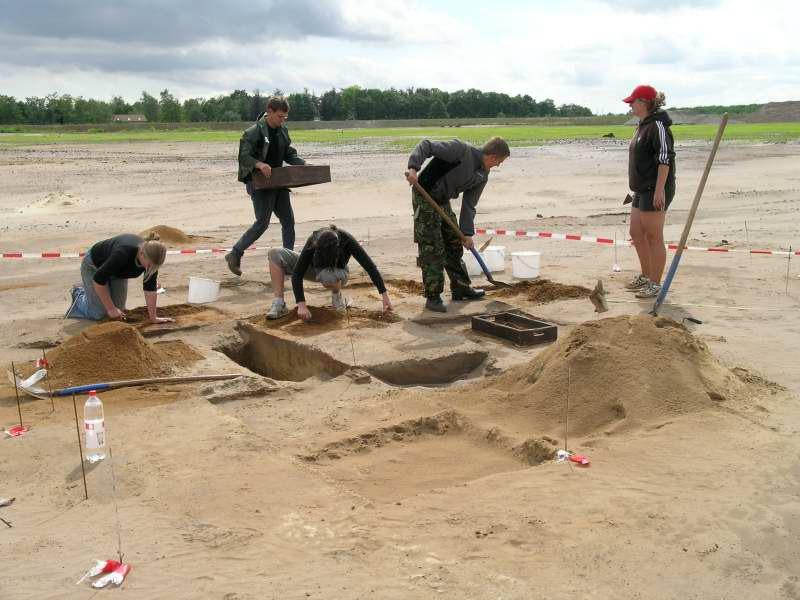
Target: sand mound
x,y
543,290
623,372
407,286
139,314
168,235
113,351
327,319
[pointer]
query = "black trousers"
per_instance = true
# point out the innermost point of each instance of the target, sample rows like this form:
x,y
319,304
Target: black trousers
x,y
265,202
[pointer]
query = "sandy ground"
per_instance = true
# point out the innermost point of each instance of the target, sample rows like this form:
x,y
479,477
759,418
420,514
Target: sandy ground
x,y
216,494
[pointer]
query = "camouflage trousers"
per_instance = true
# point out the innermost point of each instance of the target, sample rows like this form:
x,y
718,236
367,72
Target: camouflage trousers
x,y
439,246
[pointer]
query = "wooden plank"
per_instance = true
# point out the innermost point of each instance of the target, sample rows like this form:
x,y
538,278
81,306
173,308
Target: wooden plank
x,y
292,177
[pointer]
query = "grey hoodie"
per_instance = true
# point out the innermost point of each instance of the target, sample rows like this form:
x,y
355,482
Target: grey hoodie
x,y
463,173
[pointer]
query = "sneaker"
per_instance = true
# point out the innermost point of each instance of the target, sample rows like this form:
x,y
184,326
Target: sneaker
x,y
338,301
277,310
234,263
651,290
75,293
435,304
637,283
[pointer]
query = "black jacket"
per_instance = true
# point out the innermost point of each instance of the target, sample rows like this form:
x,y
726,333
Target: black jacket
x,y
348,247
116,258
652,145
254,144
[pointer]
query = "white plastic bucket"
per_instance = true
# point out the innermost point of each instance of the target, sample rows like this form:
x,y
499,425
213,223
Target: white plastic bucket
x,y
202,290
473,268
495,258
525,265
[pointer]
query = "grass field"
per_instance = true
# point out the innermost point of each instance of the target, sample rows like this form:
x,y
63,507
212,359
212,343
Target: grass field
x,y
405,138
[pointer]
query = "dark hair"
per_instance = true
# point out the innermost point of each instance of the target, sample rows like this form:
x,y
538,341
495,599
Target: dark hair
x,y
326,248
278,103
497,147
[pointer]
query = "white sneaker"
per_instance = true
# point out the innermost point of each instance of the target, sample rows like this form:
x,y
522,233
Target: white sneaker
x,y
338,301
277,310
637,283
651,290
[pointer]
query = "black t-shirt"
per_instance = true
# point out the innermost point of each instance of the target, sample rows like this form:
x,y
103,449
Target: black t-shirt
x,y
348,247
116,257
274,159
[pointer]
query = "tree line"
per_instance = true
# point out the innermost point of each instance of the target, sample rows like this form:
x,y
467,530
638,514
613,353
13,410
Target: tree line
x,y
334,105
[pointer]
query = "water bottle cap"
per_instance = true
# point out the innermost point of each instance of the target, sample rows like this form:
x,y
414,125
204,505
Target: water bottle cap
x,y
93,393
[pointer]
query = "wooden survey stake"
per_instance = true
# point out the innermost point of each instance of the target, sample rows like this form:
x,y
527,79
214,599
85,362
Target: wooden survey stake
x,y
292,177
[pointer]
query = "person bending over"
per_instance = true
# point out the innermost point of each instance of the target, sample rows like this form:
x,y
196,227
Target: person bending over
x,y
323,259
105,271
455,168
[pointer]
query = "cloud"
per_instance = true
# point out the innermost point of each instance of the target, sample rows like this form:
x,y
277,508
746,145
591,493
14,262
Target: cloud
x,y
652,6
180,22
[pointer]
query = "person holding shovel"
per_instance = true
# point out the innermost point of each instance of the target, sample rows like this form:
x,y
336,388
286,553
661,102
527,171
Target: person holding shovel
x,y
105,271
324,259
455,168
263,146
651,178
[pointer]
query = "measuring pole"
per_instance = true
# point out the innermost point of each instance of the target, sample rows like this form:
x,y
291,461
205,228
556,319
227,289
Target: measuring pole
x,y
673,267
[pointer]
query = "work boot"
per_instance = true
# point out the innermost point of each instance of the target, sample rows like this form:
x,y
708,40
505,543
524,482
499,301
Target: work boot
x,y
467,293
435,304
277,310
234,263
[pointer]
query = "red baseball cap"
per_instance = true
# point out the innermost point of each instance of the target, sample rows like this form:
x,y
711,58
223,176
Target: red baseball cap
x,y
642,92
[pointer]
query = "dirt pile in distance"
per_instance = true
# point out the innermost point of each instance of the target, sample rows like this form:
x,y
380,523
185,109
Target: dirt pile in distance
x,y
168,235
623,372
110,352
542,291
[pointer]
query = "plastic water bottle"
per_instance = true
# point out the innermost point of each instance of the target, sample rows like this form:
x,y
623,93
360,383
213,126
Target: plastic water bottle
x,y
94,428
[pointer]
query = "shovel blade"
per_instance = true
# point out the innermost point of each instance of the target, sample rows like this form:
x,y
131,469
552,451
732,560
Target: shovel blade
x,y
31,390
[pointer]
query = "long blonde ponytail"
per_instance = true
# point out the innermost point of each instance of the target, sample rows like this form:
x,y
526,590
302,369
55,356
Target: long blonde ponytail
x,y
155,251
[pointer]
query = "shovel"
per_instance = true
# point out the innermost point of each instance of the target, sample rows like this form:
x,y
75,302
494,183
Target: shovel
x,y
421,191
41,393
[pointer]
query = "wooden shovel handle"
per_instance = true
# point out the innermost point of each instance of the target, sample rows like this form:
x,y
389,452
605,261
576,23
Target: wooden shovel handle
x,y
421,191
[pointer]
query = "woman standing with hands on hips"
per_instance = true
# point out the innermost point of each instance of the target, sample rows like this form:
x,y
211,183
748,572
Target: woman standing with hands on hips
x,y
651,178
105,271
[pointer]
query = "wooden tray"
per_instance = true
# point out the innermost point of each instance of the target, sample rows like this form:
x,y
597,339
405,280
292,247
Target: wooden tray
x,y
516,326
292,177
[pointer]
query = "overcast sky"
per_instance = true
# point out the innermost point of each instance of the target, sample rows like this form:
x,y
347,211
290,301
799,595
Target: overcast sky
x,y
590,52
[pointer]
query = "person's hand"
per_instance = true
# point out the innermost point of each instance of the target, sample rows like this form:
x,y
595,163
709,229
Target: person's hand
x,y
468,243
387,303
265,169
659,199
303,312
116,314
411,176
157,320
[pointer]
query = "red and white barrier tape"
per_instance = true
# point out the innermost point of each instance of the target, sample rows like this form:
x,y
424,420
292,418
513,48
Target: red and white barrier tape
x,y
577,237
183,251
519,233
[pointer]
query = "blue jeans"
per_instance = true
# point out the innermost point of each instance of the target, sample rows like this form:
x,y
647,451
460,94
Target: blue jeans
x,y
265,202
86,303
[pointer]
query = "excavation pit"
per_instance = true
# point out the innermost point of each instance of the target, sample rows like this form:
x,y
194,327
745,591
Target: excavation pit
x,y
283,357
416,456
278,357
430,371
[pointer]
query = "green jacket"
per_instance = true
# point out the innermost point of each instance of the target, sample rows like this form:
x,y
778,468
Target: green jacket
x,y
254,144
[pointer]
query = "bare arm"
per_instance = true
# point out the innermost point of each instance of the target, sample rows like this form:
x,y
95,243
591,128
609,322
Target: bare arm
x,y
105,298
659,197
